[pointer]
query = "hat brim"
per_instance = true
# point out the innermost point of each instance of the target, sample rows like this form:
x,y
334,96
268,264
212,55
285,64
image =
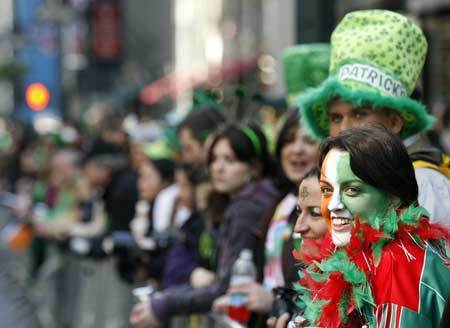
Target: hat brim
x,y
314,116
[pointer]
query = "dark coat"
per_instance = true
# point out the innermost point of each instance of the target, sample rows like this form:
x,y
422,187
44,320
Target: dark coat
x,y
243,213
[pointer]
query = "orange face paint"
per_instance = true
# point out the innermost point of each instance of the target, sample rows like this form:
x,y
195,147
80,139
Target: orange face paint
x,y
325,199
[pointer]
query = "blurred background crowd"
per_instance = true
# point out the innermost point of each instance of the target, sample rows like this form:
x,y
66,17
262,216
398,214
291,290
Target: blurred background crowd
x,y
109,114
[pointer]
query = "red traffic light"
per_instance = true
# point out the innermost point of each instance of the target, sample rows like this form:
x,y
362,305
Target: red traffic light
x,y
37,96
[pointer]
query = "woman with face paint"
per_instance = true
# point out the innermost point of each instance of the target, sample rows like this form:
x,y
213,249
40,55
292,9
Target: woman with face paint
x,y
310,223
384,264
311,226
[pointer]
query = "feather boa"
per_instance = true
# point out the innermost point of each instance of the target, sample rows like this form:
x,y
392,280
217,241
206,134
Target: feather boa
x,y
335,287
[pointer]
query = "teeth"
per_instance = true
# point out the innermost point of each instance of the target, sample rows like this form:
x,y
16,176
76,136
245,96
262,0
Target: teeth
x,y
341,221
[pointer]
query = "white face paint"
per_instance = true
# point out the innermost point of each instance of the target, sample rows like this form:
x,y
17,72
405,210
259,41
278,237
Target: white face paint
x,y
340,216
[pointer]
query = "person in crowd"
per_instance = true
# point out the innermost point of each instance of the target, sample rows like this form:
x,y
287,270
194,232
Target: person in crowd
x,y
54,203
188,224
121,193
156,184
97,166
194,130
238,162
154,210
312,227
35,151
376,60
195,133
166,224
383,262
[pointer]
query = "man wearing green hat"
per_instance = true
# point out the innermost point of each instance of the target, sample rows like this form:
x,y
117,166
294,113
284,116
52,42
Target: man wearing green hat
x,y
376,60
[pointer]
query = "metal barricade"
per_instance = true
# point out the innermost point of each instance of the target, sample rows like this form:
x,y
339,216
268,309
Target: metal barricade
x,y
83,293
211,320
77,292
16,308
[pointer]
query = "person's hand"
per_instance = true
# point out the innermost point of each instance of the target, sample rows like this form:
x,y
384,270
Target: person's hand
x,y
280,322
300,321
221,303
142,316
201,277
283,321
259,299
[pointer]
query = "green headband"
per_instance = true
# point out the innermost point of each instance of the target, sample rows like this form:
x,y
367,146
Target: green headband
x,y
251,135
158,149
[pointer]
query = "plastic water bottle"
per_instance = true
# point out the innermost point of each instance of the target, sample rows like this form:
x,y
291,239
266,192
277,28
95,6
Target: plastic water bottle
x,y
243,272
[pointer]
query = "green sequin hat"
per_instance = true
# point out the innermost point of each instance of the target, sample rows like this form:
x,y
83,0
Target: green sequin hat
x,y
305,66
376,60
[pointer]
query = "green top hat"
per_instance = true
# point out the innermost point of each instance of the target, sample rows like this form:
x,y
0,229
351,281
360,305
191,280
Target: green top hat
x,y
305,66
376,60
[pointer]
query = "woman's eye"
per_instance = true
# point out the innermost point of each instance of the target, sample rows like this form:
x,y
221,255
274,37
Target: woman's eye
x,y
351,191
325,190
308,140
229,159
298,210
315,211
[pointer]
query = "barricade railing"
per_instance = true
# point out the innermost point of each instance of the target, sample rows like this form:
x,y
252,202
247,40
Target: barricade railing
x,y
74,291
210,320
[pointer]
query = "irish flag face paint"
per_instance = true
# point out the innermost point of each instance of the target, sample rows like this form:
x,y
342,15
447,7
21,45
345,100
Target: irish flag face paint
x,y
345,196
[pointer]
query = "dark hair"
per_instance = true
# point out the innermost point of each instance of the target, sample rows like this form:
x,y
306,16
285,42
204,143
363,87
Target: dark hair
x,y
248,146
379,158
165,167
99,149
281,181
202,122
312,173
188,169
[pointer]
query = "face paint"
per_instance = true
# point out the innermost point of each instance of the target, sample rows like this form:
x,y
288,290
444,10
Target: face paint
x,y
310,223
304,193
345,196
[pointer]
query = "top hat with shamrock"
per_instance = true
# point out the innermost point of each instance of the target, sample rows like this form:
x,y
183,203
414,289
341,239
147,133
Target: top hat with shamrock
x,y
376,60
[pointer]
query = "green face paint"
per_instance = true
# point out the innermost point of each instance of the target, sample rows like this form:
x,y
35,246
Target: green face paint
x,y
360,198
345,196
